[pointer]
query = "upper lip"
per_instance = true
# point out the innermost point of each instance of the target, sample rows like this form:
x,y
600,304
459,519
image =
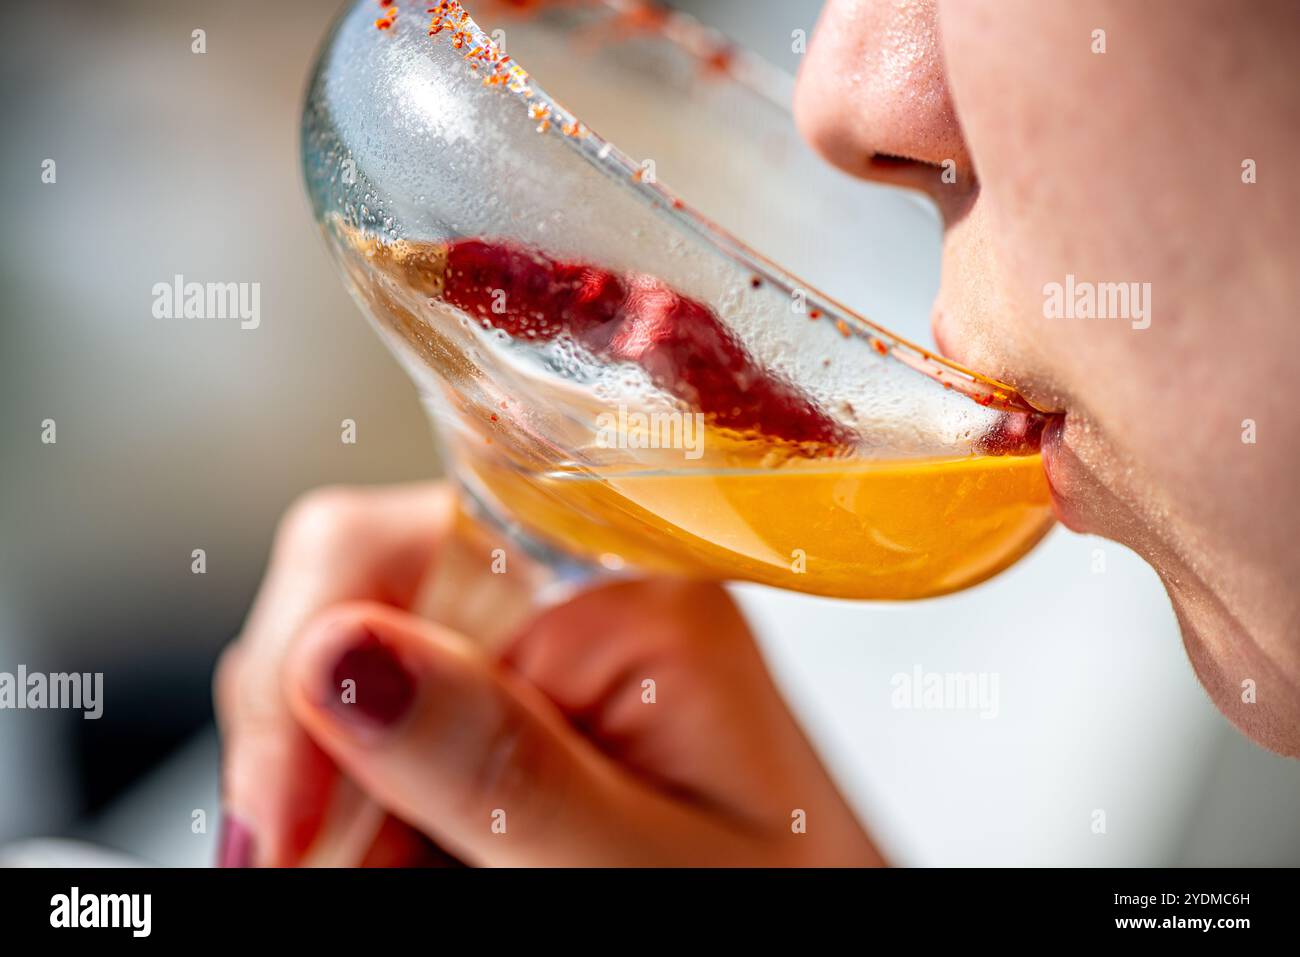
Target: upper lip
x,y
940,338
947,348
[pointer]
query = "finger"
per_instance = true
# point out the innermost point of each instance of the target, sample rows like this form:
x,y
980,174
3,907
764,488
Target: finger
x,y
334,545
476,758
696,662
399,845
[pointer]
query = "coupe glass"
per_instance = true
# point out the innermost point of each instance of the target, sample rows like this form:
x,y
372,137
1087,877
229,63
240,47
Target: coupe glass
x,y
617,381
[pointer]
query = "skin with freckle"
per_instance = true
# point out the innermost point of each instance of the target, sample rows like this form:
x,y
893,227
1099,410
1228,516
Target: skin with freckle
x,y
1117,166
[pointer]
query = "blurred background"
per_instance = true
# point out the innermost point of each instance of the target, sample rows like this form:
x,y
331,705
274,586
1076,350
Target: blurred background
x,y
177,435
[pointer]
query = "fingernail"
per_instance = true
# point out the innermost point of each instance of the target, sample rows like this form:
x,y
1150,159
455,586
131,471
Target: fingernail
x,y
235,846
371,686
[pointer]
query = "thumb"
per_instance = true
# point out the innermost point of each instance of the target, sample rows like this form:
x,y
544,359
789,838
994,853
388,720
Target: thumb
x,y
470,754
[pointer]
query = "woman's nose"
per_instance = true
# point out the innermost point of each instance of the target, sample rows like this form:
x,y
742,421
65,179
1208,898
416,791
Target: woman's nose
x,y
873,99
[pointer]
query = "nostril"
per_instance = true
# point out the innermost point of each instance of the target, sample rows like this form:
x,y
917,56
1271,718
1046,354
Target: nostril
x,y
897,161
892,159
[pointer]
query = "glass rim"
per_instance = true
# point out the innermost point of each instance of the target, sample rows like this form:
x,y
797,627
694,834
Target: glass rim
x,y
453,24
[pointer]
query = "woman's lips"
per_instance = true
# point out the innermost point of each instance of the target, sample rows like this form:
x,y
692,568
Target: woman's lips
x,y
1059,463
939,332
1060,466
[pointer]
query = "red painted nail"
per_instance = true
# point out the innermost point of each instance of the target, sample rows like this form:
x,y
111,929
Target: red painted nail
x,y
235,846
370,686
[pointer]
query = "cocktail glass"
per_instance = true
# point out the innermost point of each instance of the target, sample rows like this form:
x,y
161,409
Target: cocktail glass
x,y
617,381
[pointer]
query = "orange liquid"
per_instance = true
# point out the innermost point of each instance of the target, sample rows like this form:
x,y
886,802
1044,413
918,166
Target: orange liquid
x,y
750,510
864,530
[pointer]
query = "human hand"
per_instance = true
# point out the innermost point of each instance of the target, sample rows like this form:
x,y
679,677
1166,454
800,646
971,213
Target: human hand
x,y
635,724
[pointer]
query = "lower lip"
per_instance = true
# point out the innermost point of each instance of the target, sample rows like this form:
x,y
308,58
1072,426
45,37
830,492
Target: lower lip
x,y
1054,453
1052,434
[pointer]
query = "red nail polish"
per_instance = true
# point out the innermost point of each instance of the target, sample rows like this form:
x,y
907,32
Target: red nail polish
x,y
235,846
370,685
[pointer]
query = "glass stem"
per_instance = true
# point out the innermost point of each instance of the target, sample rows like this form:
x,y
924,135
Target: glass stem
x,y
491,577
